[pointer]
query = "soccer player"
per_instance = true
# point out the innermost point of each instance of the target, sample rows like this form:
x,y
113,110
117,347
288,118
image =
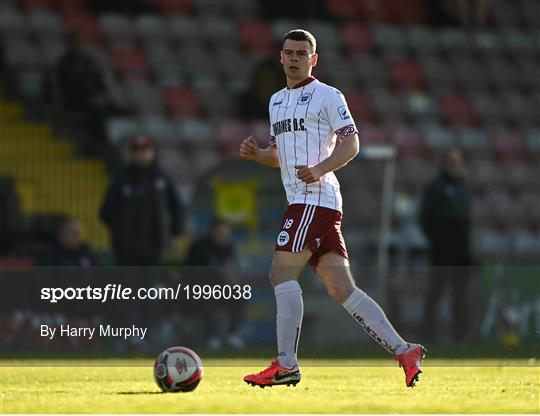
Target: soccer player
x,y
307,118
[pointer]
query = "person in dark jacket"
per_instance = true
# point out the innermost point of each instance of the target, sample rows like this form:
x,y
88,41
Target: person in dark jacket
x,y
83,91
69,249
214,262
445,217
136,205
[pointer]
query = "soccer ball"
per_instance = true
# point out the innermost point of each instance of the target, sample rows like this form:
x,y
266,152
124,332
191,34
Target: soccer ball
x,y
178,369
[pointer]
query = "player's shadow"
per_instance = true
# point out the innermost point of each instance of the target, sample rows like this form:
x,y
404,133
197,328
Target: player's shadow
x,y
139,392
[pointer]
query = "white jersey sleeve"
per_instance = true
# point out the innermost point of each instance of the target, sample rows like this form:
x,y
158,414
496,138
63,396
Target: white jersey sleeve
x,y
339,116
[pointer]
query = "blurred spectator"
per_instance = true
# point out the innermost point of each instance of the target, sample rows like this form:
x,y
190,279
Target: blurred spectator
x,y
69,249
215,254
135,207
85,100
445,217
267,78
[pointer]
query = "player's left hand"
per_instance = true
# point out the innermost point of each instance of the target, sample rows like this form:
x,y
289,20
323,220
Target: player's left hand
x,y
308,174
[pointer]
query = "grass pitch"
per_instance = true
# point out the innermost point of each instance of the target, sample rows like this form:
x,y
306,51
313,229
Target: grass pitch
x,y
329,386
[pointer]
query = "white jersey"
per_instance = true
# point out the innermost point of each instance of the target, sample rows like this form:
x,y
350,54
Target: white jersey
x,y
305,123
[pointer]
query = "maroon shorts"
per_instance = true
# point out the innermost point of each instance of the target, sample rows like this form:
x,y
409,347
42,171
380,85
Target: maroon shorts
x,y
318,228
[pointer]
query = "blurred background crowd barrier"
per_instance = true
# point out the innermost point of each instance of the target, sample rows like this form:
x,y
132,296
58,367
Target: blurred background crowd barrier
x,y
79,79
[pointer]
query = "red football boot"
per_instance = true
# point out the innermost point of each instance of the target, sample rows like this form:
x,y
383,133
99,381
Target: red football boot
x,y
411,361
274,376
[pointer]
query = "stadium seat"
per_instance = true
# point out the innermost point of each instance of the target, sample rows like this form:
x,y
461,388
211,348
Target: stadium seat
x,y
83,21
160,129
46,24
532,139
357,37
408,13
327,35
525,243
343,9
230,134
130,63
184,30
474,142
244,8
469,73
360,107
518,43
414,173
36,5
151,28
371,72
217,102
520,108
421,108
210,7
509,146
372,135
522,176
505,14
391,41
281,26
488,108
181,102
489,243
485,173
197,132
12,23
435,72
203,160
437,138
457,111
530,201
422,40
122,129
118,30
502,74
172,7
405,75
408,141
255,37
389,107
486,43
375,11
455,40
528,70
218,31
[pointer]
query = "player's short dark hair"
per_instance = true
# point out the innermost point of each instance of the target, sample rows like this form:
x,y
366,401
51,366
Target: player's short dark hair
x,y
301,34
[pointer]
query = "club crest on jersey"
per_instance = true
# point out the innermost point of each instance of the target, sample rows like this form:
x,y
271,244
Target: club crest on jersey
x,y
304,98
343,113
283,238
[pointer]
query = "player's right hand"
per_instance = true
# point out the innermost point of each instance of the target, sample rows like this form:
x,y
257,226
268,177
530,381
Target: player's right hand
x,y
249,149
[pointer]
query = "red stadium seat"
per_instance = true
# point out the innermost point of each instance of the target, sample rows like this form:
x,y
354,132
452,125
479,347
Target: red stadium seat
x,y
79,20
376,11
32,5
181,102
357,37
408,142
343,8
509,146
457,110
410,12
230,134
255,36
130,63
372,135
405,75
360,107
172,7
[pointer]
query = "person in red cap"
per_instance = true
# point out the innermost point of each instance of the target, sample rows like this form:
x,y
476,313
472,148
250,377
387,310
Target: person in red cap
x,y
139,204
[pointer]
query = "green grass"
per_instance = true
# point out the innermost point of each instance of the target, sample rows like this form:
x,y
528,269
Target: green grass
x,y
328,386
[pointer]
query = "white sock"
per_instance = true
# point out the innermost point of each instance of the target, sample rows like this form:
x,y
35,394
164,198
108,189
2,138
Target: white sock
x,y
290,309
372,319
